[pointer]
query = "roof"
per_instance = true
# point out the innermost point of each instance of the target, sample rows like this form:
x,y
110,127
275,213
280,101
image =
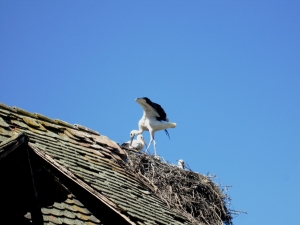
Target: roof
x,y
89,159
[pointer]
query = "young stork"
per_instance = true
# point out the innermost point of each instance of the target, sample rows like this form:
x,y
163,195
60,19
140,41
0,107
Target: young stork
x,y
153,119
137,144
180,164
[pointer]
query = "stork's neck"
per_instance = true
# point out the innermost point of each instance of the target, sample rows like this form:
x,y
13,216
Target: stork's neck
x,y
143,124
140,130
144,115
137,132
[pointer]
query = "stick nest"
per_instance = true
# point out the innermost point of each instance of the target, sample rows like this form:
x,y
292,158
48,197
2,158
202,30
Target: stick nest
x,y
194,195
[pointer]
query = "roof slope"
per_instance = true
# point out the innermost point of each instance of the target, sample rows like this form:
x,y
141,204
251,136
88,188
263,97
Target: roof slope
x,y
89,159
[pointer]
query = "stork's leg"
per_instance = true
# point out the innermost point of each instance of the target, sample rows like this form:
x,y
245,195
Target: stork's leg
x,y
154,147
149,145
151,138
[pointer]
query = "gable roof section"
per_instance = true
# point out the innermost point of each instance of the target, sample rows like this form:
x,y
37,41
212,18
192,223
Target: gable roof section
x,y
89,159
52,202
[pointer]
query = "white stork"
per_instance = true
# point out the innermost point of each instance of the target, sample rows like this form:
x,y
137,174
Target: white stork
x,y
137,144
153,119
180,164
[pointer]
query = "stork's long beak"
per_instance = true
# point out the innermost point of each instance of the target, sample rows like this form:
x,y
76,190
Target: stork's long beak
x,y
131,139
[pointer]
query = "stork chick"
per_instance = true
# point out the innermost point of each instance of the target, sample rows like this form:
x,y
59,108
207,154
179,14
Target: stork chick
x,y
137,144
180,164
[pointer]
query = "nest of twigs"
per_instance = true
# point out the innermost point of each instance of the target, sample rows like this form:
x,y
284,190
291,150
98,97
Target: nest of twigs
x,y
194,195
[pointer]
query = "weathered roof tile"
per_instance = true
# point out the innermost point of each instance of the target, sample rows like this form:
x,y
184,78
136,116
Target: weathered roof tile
x,y
69,207
56,212
6,133
80,127
76,133
84,217
63,123
78,203
94,219
79,222
42,117
67,133
31,122
54,219
3,123
23,112
19,123
58,206
67,220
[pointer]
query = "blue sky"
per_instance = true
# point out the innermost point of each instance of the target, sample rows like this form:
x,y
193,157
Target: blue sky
x,y
227,72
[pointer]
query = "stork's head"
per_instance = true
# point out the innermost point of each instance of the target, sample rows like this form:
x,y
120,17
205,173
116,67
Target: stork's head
x,y
141,139
181,163
132,134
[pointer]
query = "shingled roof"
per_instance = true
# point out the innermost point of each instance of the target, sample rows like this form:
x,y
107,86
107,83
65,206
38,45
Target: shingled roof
x,y
83,165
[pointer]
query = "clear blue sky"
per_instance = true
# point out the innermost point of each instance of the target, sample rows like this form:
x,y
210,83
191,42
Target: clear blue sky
x,y
227,72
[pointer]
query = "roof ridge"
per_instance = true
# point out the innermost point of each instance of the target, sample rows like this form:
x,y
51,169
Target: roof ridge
x,y
43,118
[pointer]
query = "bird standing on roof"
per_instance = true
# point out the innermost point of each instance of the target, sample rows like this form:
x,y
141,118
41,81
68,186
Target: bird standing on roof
x,y
137,144
180,164
153,119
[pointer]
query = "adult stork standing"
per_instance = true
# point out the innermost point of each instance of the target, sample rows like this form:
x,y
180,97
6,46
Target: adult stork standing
x,y
154,118
137,144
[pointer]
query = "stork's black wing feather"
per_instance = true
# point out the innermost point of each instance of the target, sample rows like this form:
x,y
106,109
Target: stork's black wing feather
x,y
159,110
125,145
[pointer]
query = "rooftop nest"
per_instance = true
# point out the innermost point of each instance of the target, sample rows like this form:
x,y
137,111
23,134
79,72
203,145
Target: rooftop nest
x,y
194,195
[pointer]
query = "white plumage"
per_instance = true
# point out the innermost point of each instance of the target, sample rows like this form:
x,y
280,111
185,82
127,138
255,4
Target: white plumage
x,y
154,118
180,164
137,144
